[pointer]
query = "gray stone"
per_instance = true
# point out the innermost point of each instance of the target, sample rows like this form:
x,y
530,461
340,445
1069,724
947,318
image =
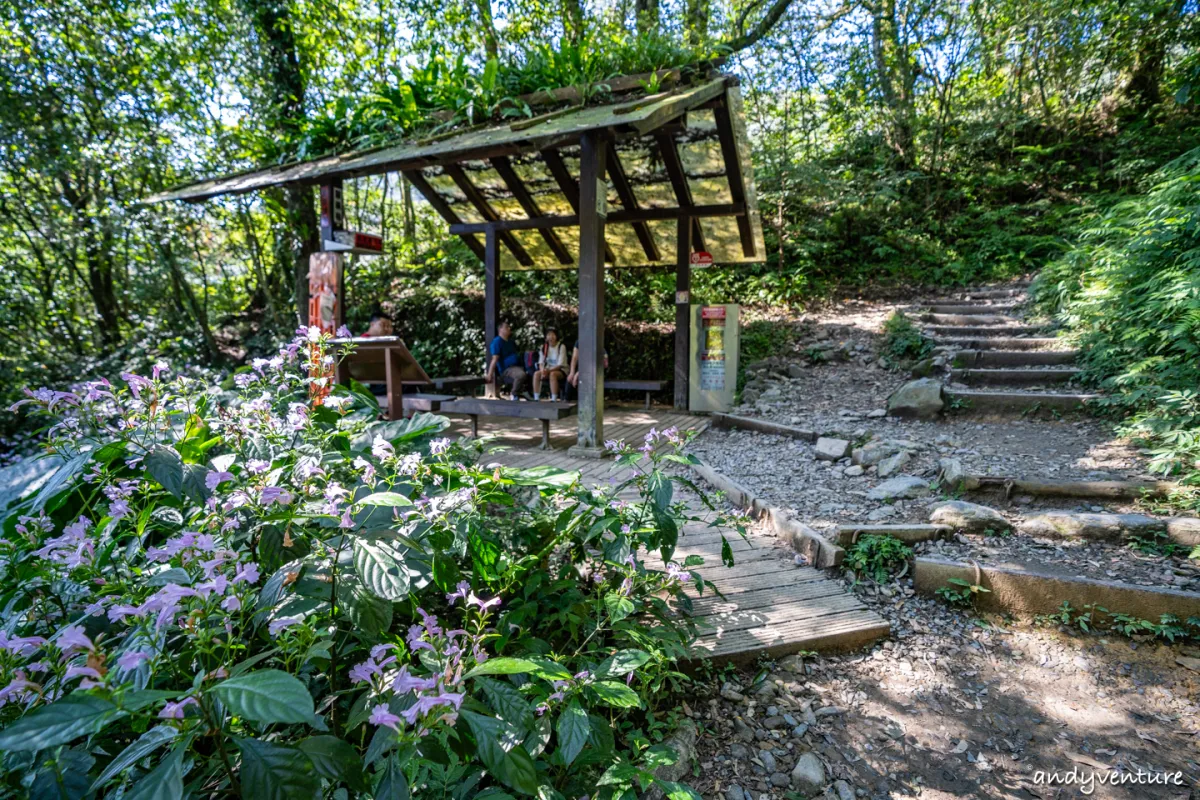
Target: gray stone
x,y
905,486
735,792
854,471
768,760
800,730
951,472
793,663
829,711
1184,531
683,742
829,449
1096,527
843,790
808,775
780,780
771,723
893,464
877,413
920,399
969,517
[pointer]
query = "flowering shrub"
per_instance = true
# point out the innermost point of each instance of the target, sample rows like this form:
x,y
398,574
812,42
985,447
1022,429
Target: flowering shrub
x,y
260,590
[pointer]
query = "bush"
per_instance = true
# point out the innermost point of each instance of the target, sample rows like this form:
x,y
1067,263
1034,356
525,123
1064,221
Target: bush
x,y
1129,294
261,591
877,557
903,341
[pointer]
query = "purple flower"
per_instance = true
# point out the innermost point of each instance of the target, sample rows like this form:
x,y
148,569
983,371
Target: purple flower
x,y
343,332
72,639
77,670
231,603
380,715
274,494
364,671
131,658
405,683
279,625
439,446
174,710
472,600
247,573
347,521
118,509
461,590
256,466
136,383
381,448
214,479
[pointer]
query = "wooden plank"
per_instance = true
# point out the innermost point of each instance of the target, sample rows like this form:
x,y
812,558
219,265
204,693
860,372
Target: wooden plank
x,y
767,597
443,208
570,189
637,386
679,183
476,198
629,201
683,311
623,215
515,185
509,408
733,171
841,632
491,295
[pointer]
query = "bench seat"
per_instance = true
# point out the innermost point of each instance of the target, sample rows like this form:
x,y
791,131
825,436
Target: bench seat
x,y
649,387
426,402
475,407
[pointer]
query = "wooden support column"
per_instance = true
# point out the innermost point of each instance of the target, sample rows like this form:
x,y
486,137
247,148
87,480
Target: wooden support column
x,y
491,298
592,213
683,310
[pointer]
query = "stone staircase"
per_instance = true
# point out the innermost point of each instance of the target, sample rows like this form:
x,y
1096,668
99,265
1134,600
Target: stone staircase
x,y
998,362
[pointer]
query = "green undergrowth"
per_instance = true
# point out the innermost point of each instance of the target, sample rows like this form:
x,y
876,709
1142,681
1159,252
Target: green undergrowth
x,y
903,340
877,557
1093,618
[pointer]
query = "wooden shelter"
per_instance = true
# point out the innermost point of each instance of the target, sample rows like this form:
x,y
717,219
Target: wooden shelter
x,y
646,179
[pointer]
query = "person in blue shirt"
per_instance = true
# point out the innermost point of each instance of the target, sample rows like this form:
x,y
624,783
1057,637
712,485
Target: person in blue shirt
x,y
505,361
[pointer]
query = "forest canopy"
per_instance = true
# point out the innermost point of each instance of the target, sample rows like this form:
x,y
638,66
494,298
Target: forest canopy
x,y
894,142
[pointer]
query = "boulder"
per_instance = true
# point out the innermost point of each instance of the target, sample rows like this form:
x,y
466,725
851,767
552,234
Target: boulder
x,y
902,487
875,451
893,464
808,776
829,449
969,517
1184,531
1097,527
923,368
919,399
951,472
683,742
854,471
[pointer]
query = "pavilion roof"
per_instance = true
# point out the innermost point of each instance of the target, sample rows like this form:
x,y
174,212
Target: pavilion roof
x,y
679,150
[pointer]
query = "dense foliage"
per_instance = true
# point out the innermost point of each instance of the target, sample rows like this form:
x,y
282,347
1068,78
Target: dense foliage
x,y
1130,296
258,590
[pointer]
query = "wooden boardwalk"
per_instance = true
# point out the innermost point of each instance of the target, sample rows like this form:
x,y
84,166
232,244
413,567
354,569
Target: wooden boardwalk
x,y
770,606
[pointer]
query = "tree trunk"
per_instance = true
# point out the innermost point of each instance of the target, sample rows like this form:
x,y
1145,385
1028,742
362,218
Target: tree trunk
x,y
647,16
897,79
572,20
487,26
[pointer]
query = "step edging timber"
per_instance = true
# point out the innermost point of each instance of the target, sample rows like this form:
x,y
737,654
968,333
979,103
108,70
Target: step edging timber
x,y
737,422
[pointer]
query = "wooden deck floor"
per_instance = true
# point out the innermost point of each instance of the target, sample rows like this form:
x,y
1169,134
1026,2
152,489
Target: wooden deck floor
x,y
770,606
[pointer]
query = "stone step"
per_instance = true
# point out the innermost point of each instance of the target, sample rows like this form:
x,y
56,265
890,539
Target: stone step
x,y
969,319
1000,343
1003,331
972,308
983,294
907,533
975,359
1013,377
1049,487
996,401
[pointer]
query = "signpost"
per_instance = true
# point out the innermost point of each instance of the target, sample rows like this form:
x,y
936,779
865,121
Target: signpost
x,y
714,357
700,258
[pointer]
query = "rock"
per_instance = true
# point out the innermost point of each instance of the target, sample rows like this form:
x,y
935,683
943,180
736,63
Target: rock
x,y
874,452
829,711
800,730
969,517
780,780
735,792
854,471
843,790
768,761
1182,530
950,472
771,723
877,413
793,663
829,449
1097,527
808,775
924,368
920,399
683,742
796,370
739,750
1191,663
893,464
904,486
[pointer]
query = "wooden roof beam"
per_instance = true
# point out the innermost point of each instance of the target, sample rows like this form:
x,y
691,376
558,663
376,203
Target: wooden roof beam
x,y
443,208
733,171
504,168
616,174
570,189
476,198
683,192
616,217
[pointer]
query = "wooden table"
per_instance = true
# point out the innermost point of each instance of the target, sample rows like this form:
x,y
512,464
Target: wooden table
x,y
382,358
475,407
426,402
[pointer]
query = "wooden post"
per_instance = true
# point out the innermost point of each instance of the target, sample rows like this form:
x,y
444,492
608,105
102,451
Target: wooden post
x,y
593,202
491,285
683,310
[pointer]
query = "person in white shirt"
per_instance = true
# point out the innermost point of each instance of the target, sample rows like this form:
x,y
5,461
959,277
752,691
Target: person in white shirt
x,y
552,364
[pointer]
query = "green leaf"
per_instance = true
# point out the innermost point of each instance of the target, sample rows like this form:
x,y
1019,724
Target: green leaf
x,y
268,695
166,467
503,666
660,488
619,606
272,772
371,614
400,430
194,487
726,552
143,746
510,764
616,694
165,782
548,670
59,479
678,791
75,715
508,703
547,477
573,731
390,499
379,571
335,760
393,785
621,663
63,777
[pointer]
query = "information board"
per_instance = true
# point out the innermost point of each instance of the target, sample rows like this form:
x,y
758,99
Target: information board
x,y
714,357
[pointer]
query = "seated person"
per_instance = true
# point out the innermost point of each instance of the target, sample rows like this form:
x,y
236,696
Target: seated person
x,y
380,325
504,361
573,377
552,364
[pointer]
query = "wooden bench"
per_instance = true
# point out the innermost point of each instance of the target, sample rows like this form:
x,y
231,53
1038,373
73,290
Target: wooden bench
x,y
476,407
426,402
457,383
649,387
